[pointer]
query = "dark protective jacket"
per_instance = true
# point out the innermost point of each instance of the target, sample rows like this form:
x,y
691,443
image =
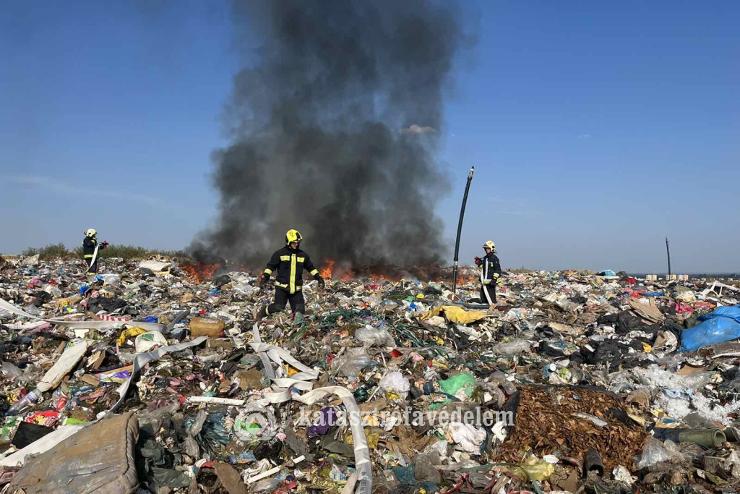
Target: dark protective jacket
x,y
490,266
289,265
88,247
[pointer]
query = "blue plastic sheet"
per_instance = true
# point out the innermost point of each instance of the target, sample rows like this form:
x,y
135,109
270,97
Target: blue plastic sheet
x,y
654,294
717,327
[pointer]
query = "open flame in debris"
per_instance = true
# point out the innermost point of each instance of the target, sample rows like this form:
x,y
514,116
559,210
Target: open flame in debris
x,y
327,270
343,271
200,271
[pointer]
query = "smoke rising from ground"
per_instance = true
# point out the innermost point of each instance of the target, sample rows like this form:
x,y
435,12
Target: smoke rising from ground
x,y
334,130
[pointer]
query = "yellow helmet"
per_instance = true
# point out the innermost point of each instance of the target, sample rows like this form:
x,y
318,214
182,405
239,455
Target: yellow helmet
x,y
90,232
489,244
293,236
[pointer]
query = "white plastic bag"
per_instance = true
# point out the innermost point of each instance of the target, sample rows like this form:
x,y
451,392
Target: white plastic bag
x,y
149,340
655,451
466,437
352,362
371,336
395,382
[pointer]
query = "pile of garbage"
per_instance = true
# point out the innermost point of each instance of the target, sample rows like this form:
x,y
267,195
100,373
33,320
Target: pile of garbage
x,y
153,377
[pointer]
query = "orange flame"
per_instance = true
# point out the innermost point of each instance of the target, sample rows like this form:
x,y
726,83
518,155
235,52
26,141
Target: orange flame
x,y
328,269
344,271
200,272
376,277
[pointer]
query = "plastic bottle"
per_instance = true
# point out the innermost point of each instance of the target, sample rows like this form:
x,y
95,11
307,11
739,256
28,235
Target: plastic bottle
x,y
59,399
31,398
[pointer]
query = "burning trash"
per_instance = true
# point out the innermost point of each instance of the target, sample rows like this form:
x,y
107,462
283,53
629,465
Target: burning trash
x,y
370,365
566,369
201,272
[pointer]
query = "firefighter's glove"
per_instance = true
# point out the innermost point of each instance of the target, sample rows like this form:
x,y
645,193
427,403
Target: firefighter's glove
x,y
263,281
322,283
478,261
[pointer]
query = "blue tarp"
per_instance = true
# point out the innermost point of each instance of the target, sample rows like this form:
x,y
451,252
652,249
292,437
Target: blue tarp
x,y
654,294
717,327
607,272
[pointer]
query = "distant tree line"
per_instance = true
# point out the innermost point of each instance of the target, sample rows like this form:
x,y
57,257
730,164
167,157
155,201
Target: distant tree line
x,y
60,251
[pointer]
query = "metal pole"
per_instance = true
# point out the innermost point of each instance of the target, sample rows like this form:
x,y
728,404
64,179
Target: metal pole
x,y
668,251
459,229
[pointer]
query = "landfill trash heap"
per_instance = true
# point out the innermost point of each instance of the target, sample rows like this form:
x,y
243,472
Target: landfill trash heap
x,y
152,377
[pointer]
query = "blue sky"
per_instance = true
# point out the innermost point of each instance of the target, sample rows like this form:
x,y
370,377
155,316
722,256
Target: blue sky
x,y
596,128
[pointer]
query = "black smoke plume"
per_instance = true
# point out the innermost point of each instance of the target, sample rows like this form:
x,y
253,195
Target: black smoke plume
x,y
334,131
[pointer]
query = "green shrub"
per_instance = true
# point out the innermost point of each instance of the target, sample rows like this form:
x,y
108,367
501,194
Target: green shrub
x,y
59,251
52,251
521,270
134,252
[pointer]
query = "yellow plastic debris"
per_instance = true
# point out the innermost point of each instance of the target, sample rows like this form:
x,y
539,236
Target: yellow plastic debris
x,y
456,315
372,435
637,419
371,421
537,469
129,333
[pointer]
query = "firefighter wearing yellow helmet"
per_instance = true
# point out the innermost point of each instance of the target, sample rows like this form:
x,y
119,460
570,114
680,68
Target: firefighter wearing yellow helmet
x,y
490,270
91,249
287,264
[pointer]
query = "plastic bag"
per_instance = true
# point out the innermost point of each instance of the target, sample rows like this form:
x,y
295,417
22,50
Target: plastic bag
x,y
53,291
129,333
110,279
149,340
10,371
371,336
352,362
460,386
717,327
395,382
513,347
654,452
246,290
466,437
537,469
255,424
327,420
457,315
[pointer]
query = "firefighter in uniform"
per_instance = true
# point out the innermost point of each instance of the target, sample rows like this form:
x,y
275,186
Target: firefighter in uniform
x,y
288,264
490,270
91,249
